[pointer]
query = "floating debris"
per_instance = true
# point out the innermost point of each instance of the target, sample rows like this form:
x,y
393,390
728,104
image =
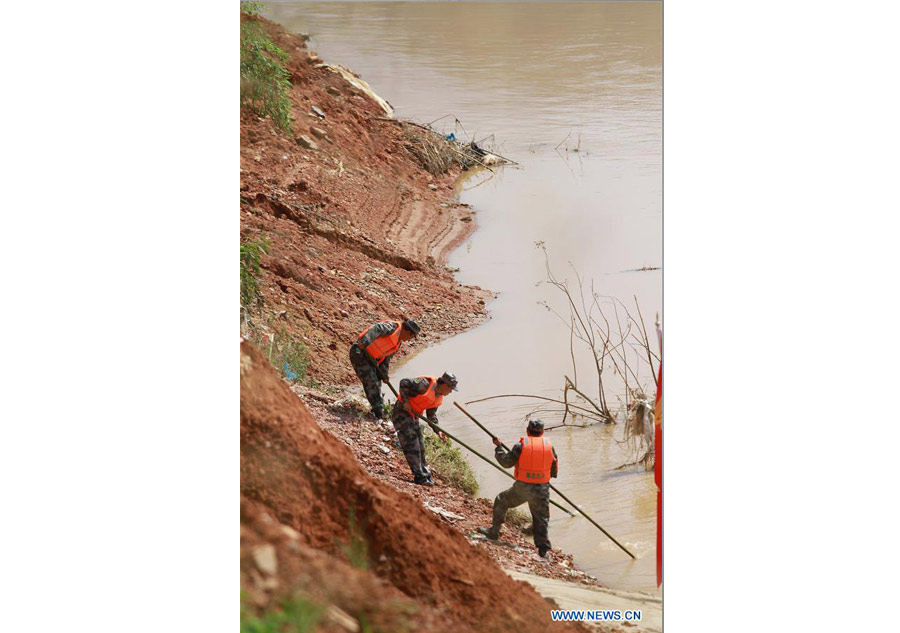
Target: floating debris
x,y
643,269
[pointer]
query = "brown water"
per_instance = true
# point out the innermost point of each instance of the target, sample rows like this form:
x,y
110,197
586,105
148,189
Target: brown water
x,y
532,74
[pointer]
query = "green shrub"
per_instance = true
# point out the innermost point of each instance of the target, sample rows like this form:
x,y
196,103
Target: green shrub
x,y
251,255
448,462
293,615
517,518
251,8
264,79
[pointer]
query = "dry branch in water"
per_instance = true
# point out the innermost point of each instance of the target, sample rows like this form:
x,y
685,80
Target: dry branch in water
x,y
619,344
639,434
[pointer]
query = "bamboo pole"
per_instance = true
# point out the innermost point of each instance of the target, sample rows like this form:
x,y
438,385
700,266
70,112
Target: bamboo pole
x,y
552,487
481,426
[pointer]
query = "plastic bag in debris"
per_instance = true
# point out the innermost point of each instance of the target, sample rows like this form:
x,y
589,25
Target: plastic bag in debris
x,y
290,375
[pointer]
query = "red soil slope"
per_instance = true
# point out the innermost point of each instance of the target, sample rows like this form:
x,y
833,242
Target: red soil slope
x,y
359,230
308,480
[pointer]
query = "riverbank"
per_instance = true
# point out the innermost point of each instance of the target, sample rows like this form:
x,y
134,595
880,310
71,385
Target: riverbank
x,y
356,231
372,444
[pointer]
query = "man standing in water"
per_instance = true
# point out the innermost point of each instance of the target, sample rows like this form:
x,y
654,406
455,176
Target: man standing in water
x,y
536,462
419,396
371,355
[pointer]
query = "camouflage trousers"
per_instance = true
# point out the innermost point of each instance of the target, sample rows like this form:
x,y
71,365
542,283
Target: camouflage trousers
x,y
538,498
368,377
409,432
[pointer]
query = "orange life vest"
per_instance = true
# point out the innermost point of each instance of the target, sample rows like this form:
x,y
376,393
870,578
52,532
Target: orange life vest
x,y
428,400
384,345
535,461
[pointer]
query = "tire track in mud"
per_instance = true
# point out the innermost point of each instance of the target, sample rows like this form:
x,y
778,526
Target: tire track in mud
x,y
432,241
359,243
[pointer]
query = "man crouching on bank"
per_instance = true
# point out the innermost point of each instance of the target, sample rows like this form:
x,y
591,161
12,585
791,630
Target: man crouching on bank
x,y
536,462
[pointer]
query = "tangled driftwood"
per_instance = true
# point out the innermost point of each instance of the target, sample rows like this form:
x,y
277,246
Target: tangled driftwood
x,y
438,153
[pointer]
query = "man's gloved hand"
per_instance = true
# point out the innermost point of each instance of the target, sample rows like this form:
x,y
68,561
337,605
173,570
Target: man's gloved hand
x,y
496,441
384,378
432,422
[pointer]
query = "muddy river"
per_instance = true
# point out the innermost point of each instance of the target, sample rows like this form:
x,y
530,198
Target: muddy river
x,y
544,79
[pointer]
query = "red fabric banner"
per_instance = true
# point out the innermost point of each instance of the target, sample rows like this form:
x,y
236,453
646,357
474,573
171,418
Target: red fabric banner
x,y
657,466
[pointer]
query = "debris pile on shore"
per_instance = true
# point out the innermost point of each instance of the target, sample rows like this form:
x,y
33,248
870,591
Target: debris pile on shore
x,y
439,153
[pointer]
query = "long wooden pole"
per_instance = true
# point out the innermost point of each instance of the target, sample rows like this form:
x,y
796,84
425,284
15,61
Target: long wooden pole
x,y
454,438
552,487
481,426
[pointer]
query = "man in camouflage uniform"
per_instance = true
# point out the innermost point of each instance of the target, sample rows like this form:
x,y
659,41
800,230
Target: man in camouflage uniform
x,y
535,460
418,396
378,345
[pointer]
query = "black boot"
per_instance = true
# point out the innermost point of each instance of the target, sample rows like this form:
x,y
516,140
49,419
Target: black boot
x,y
489,532
424,481
542,551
